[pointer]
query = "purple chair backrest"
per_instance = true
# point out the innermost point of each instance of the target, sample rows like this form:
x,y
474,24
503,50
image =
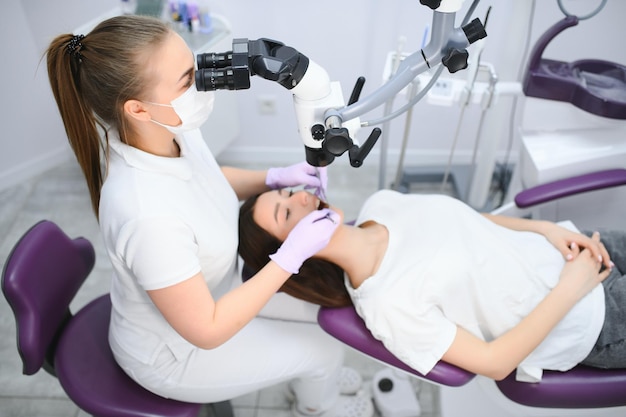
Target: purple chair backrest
x,y
346,325
41,277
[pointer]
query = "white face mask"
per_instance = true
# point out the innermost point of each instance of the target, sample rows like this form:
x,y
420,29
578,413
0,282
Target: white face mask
x,y
192,107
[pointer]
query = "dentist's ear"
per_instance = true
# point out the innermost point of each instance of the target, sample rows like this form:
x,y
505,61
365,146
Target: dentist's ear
x,y
137,110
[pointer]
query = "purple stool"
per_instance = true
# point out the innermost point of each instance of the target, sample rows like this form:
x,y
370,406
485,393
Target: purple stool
x,y
40,279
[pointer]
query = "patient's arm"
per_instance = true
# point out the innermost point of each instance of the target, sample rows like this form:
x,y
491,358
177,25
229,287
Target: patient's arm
x,y
498,358
519,223
559,236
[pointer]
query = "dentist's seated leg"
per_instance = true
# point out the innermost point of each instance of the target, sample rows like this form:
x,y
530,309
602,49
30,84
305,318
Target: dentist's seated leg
x,y
285,307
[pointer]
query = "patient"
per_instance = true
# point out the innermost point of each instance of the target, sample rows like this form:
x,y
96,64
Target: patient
x,y
435,280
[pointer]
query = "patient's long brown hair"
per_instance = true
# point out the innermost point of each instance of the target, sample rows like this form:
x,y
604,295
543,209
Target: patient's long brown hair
x,y
319,281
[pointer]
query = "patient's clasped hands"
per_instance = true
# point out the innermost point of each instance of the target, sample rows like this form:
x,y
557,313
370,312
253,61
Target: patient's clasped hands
x,y
584,271
570,243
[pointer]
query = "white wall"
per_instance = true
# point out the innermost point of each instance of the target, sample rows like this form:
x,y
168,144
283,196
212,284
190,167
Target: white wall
x,y
33,139
349,38
352,38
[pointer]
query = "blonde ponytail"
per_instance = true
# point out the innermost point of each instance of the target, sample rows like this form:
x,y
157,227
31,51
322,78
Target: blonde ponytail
x,y
92,76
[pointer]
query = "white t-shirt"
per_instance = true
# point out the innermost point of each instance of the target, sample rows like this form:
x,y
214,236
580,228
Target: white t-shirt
x,y
445,265
164,220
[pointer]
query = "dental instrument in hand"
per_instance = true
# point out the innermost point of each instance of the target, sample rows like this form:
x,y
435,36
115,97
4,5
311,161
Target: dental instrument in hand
x,y
327,216
321,191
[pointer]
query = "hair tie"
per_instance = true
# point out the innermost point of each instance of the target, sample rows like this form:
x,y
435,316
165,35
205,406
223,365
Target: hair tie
x,y
75,45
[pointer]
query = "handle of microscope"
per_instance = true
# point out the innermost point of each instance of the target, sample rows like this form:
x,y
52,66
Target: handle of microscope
x,y
356,91
357,155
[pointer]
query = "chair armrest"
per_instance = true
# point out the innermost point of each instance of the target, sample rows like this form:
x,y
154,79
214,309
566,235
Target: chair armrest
x,y
570,186
580,387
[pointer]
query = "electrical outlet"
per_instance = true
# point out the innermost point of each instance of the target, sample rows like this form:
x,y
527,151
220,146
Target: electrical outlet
x,y
444,92
442,87
267,104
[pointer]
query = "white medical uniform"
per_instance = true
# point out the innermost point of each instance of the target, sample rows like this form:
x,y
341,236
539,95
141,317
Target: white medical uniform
x,y
164,220
445,265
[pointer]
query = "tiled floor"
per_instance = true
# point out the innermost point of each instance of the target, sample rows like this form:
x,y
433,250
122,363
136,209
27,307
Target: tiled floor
x,y
60,195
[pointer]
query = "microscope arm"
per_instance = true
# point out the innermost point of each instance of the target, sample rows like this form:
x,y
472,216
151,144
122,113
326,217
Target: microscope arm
x,y
447,47
326,125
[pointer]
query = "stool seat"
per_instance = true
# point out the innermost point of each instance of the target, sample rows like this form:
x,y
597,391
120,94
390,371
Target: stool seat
x,y
40,278
87,370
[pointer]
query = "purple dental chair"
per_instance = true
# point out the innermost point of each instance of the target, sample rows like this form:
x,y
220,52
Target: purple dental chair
x,y
579,388
590,85
41,276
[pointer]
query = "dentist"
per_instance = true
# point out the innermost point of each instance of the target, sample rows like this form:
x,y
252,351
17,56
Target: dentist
x,y
183,325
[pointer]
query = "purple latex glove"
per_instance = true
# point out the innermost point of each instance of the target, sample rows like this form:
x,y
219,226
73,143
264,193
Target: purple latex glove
x,y
310,235
298,174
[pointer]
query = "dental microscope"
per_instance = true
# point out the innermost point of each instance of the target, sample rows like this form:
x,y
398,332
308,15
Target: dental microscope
x,y
327,125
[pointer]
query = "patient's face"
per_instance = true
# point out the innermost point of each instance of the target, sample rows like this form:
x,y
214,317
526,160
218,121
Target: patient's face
x,y
278,211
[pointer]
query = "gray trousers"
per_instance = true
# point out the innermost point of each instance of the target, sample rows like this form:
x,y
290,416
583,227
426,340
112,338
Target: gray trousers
x,y
610,348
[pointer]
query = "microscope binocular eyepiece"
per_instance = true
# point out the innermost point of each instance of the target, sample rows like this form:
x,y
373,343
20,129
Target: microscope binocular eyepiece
x,y
224,71
215,60
266,58
210,79
217,72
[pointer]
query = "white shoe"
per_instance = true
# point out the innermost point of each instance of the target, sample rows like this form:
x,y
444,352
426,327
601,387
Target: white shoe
x,y
359,405
349,381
